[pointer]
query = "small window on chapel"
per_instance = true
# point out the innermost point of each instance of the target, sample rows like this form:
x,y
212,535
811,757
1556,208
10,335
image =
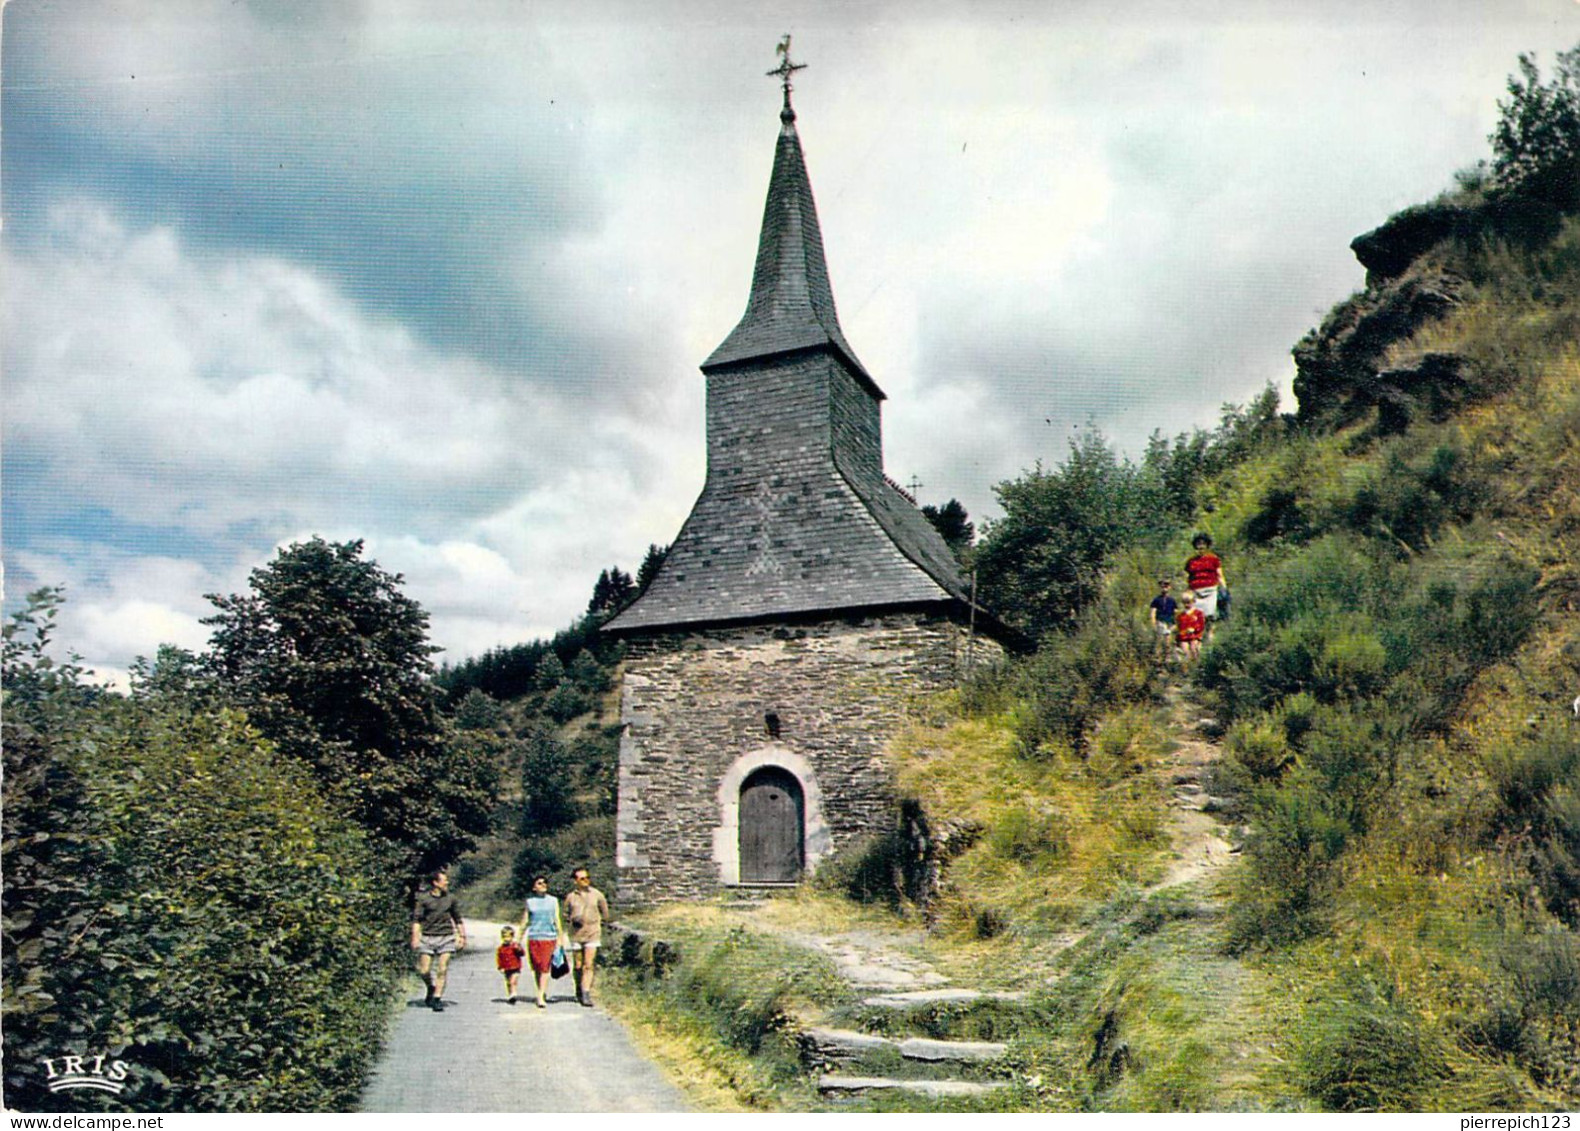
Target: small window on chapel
x,y
771,724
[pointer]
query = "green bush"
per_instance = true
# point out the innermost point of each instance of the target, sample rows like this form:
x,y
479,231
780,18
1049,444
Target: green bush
x,y
875,869
1536,783
1029,835
567,701
180,897
1292,868
587,843
1363,1050
1259,748
1108,662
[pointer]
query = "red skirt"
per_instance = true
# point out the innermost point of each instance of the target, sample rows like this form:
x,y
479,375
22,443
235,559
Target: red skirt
x,y
541,954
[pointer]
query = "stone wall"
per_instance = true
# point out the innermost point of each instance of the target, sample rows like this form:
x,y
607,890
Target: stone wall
x,y
694,708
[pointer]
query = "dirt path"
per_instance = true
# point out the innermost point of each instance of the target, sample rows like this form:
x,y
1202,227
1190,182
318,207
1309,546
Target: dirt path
x,y
1200,841
484,1055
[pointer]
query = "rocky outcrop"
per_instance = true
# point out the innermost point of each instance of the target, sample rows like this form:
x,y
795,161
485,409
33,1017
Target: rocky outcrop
x,y
1342,368
1340,365
1387,251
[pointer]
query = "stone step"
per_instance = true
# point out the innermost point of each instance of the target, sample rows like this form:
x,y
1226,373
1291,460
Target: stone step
x,y
914,998
854,1085
820,1044
839,1044
959,1052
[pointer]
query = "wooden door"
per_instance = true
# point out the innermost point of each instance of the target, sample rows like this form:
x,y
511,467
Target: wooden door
x,y
772,841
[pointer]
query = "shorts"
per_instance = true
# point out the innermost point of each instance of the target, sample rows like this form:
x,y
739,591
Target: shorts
x,y
585,945
1207,601
1165,630
540,952
436,944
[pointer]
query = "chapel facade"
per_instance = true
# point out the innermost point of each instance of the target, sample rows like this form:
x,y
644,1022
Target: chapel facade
x,y
802,611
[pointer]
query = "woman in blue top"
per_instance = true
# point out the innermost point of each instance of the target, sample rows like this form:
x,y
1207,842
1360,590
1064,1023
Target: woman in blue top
x,y
540,923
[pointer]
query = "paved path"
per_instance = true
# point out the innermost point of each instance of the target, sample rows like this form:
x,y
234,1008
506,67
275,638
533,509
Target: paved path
x,y
482,1054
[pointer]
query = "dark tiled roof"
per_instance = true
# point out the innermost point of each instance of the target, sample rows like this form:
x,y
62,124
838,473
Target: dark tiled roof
x,y
791,305
810,546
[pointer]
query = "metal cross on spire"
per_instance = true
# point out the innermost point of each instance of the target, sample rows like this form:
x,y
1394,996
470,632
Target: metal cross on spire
x,y
785,68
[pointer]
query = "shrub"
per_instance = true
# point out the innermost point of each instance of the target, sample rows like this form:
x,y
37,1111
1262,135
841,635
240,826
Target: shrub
x,y
1029,835
1292,852
1074,680
875,869
1260,748
1280,517
1352,754
180,897
1363,1050
588,843
1501,608
565,702
1352,661
1536,781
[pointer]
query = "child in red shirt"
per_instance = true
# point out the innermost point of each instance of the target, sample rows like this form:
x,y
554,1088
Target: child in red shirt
x,y
508,958
1190,623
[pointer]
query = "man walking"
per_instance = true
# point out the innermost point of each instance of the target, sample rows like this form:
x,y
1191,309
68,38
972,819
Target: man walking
x,y
587,909
437,932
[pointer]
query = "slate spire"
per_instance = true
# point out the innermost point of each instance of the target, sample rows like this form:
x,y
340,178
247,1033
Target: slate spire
x,y
791,306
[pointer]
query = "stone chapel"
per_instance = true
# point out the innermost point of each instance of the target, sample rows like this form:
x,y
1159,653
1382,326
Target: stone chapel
x,y
803,608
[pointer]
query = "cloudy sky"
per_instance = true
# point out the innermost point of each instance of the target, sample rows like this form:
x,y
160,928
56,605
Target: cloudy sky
x,y
440,276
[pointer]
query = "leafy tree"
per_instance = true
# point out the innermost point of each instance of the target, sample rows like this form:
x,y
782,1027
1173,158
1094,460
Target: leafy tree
x,y
588,674
548,783
1043,561
565,702
1536,145
331,661
952,522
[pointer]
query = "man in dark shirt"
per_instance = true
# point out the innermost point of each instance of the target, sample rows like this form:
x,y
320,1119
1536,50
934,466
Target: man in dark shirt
x,y
437,931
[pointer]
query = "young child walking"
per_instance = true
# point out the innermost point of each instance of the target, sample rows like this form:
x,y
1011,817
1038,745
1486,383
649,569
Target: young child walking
x,y
508,958
1190,624
1161,613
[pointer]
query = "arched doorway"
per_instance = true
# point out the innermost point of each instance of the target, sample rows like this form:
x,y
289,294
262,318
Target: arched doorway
x,y
772,827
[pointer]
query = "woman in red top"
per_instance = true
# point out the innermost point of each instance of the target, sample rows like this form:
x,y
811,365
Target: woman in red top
x,y
1190,623
1204,575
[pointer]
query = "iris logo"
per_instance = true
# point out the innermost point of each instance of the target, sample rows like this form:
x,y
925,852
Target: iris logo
x,y
99,1072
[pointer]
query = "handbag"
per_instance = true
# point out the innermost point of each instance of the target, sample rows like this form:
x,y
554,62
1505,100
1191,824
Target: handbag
x,y
559,964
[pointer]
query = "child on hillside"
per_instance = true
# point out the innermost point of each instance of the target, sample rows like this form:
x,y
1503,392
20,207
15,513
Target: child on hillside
x,y
1190,624
508,958
1161,613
